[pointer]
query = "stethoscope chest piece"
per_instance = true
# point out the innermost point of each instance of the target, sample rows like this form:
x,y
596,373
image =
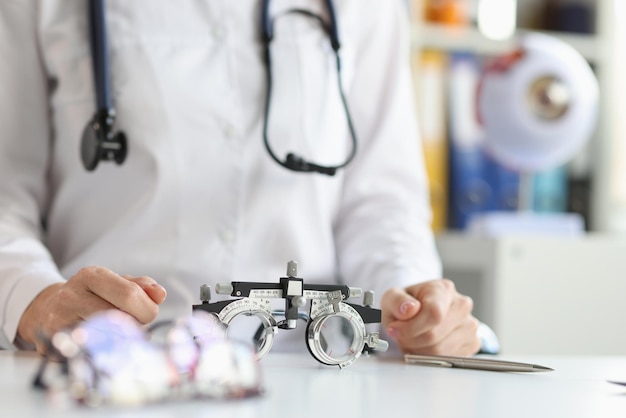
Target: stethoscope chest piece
x,y
100,143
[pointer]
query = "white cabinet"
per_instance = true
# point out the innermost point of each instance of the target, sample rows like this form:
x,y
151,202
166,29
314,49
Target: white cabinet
x,y
544,295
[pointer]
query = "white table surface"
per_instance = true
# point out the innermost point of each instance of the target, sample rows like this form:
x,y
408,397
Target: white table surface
x,y
297,386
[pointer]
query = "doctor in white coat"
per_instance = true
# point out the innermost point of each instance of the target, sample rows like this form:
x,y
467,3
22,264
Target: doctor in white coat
x,y
198,200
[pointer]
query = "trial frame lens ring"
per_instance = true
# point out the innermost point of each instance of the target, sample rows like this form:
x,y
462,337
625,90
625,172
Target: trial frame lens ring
x,y
315,338
268,322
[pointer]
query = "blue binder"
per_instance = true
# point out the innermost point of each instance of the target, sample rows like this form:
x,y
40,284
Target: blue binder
x,y
505,184
470,192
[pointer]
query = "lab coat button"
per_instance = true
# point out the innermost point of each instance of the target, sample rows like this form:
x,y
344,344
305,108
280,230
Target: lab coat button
x,y
218,32
230,131
227,236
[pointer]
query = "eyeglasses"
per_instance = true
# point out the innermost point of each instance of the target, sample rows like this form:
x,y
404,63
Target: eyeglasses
x,y
336,333
111,359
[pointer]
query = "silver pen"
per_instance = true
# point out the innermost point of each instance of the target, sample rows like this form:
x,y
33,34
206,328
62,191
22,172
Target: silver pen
x,y
474,363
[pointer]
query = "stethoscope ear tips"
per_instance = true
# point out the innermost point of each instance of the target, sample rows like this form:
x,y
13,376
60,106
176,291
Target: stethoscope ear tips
x,y
99,143
296,163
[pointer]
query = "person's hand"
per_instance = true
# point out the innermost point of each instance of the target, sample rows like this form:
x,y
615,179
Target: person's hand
x,y
91,290
431,318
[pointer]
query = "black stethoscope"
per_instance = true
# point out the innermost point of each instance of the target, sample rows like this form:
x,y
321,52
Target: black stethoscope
x,y
100,140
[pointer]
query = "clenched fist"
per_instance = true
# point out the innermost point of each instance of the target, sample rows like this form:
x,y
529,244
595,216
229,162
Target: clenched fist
x,y
431,318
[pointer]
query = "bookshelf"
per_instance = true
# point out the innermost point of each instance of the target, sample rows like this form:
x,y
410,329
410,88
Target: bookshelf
x,y
539,293
598,165
441,37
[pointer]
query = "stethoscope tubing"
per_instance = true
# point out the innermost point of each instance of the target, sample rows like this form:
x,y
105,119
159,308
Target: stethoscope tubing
x,y
100,142
99,50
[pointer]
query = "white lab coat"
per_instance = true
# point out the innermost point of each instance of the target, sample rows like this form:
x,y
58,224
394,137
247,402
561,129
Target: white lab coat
x,y
198,200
